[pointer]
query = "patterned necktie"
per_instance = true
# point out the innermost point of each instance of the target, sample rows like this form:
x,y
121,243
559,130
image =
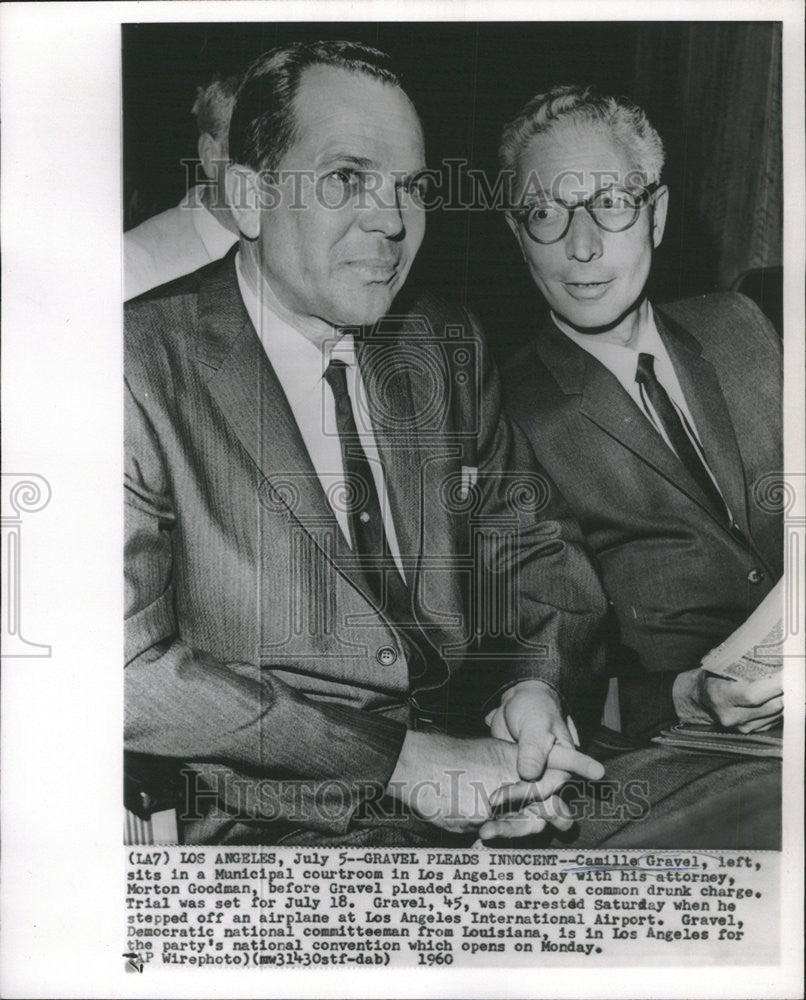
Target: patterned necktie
x,y
683,445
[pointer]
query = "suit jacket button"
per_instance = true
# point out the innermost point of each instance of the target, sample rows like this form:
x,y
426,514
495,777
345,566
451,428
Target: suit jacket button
x,y
755,576
386,656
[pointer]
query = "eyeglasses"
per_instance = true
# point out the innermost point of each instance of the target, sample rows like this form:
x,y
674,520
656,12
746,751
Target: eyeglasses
x,y
613,209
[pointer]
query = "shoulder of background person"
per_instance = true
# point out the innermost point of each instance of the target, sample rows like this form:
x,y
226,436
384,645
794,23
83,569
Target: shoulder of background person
x,y
164,318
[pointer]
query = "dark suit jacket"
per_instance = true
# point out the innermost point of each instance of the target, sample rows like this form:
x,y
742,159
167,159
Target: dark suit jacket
x,y
679,581
255,650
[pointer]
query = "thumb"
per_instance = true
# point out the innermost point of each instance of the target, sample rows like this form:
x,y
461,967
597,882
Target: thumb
x,y
499,729
534,744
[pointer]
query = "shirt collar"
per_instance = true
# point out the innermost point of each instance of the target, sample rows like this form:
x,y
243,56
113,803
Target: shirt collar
x,y
648,341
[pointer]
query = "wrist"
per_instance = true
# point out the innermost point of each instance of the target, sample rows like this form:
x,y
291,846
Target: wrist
x,y
541,687
687,697
414,763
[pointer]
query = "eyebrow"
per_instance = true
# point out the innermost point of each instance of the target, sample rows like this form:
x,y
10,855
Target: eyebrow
x,y
364,163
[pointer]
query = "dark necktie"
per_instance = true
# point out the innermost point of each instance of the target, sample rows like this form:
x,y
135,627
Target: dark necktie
x,y
683,445
426,670
368,536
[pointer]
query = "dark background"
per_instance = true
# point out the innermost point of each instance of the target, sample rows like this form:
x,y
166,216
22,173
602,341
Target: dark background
x,y
711,90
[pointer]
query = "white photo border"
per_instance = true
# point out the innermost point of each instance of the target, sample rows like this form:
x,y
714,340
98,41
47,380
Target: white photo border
x,y
62,866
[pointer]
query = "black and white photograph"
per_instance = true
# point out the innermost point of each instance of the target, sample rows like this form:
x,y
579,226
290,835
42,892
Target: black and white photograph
x,y
428,384
404,633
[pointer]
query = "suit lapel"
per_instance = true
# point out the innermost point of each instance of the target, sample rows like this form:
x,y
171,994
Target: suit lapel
x,y
605,403
705,399
246,389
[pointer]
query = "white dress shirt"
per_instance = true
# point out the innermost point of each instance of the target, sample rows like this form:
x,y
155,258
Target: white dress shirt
x,y
173,243
300,365
622,362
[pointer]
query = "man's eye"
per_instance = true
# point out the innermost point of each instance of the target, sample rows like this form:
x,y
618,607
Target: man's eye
x,y
542,211
615,200
417,188
346,177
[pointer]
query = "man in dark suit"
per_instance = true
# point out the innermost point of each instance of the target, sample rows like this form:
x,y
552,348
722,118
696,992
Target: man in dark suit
x,y
660,426
322,530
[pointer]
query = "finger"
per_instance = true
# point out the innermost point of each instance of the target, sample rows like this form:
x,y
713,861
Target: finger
x,y
769,707
496,720
529,820
516,795
510,797
568,759
553,810
736,717
757,725
498,726
761,691
775,706
767,687
562,731
517,826
774,721
534,744
573,730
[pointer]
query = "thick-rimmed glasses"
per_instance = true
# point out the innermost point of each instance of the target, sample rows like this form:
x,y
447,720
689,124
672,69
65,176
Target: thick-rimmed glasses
x,y
613,209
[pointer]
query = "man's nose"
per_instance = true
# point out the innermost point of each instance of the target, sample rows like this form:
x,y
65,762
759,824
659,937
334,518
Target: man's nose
x,y
381,211
583,241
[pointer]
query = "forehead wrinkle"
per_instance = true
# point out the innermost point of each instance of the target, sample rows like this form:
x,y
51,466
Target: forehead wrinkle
x,y
573,158
578,149
339,156
339,115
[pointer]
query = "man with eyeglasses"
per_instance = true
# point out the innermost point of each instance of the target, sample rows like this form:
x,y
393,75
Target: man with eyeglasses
x,y
658,425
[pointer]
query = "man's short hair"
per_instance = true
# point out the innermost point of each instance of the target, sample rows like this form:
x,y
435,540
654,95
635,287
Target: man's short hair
x,y
263,126
213,106
579,106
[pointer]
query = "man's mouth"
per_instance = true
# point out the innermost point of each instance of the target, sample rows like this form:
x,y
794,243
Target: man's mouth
x,y
587,289
374,268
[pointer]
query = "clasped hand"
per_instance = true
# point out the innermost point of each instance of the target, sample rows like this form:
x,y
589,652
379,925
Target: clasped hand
x,y
530,716
503,786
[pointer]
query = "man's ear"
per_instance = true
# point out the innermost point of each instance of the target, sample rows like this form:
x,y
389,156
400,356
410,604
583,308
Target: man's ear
x,y
211,156
661,206
517,232
243,198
